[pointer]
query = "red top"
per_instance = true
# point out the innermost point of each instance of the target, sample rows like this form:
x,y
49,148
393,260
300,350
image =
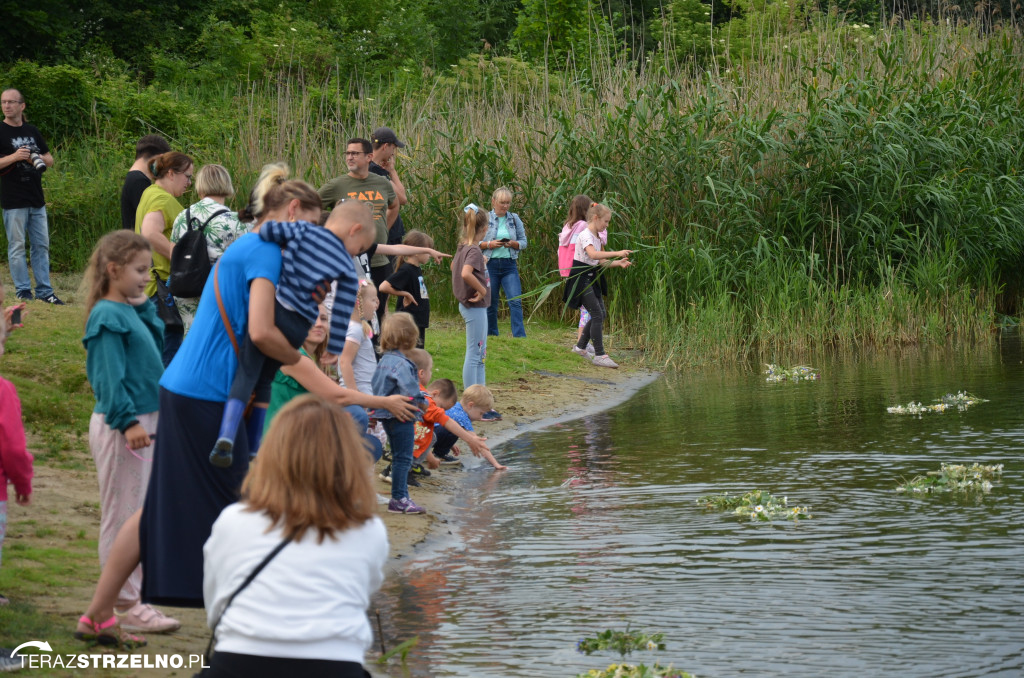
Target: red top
x,y
15,460
425,431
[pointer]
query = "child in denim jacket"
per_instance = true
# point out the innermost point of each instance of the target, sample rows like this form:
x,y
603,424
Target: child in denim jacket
x,y
396,374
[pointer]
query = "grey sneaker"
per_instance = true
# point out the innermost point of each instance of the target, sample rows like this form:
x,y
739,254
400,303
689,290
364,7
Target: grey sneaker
x,y
590,350
9,663
605,361
582,352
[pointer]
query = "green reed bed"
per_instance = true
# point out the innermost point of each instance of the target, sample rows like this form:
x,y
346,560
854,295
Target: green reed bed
x,y
834,185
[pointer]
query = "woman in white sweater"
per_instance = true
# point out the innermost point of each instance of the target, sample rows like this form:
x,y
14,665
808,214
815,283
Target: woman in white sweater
x,y
304,613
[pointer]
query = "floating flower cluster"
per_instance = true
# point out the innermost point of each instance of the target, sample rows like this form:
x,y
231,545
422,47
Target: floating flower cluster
x,y
960,400
756,505
636,671
622,642
799,373
954,478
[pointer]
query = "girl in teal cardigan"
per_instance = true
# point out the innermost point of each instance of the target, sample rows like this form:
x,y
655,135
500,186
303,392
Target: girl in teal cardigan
x,y
123,342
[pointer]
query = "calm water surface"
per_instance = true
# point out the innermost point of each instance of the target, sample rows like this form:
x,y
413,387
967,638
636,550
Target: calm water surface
x,y
596,526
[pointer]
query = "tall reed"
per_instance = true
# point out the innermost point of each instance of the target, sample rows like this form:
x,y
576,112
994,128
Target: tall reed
x,y
838,187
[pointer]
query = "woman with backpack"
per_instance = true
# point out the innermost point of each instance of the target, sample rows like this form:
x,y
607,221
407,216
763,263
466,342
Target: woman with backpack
x,y
210,221
157,210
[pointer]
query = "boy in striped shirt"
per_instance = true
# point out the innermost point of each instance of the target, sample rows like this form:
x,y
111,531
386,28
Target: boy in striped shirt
x,y
312,258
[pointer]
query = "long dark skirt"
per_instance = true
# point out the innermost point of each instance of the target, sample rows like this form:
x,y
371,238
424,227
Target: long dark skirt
x,y
231,665
186,494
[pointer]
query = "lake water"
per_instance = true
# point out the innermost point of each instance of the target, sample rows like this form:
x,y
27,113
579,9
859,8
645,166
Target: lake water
x,y
597,526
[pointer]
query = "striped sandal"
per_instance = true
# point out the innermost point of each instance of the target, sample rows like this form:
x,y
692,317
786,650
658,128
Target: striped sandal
x,y
107,633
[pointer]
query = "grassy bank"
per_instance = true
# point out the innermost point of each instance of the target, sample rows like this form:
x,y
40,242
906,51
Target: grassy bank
x,y
833,185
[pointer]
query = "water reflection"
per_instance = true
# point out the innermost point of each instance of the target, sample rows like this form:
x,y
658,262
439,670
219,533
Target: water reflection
x,y
598,527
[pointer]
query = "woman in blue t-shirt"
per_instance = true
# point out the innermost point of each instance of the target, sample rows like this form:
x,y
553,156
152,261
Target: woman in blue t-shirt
x,y
186,493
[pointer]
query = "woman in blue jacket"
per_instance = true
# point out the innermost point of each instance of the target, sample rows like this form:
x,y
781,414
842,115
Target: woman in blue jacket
x,y
505,238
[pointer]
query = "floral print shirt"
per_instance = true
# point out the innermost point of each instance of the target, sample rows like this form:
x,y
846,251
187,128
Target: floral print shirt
x,y
222,230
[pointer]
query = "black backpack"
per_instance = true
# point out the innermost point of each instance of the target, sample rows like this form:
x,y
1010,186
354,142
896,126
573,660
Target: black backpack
x,y
190,261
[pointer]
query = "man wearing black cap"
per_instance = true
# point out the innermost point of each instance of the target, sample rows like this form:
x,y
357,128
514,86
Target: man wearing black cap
x,y
385,144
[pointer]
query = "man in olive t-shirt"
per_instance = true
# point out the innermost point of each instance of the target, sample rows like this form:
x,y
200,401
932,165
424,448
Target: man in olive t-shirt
x,y
360,184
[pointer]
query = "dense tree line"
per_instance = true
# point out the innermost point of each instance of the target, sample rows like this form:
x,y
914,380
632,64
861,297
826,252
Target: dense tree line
x,y
233,37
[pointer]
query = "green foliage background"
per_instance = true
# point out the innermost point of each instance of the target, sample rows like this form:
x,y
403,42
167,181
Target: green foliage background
x,y
791,174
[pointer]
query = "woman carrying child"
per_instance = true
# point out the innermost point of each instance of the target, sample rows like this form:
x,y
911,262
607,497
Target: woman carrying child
x,y
185,493
123,342
407,283
586,285
310,496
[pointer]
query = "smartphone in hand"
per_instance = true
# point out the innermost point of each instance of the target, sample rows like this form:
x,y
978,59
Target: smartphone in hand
x,y
16,316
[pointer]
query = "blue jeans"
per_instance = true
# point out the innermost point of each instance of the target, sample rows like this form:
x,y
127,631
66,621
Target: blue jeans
x,y
172,342
402,436
476,345
362,421
504,275
31,222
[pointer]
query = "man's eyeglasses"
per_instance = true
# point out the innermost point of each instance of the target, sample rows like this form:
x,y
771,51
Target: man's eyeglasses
x,y
10,101
352,154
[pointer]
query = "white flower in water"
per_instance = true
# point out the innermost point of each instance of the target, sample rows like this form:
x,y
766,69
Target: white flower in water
x,y
651,645
758,508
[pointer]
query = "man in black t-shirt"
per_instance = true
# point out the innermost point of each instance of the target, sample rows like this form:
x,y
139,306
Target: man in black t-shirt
x,y
140,176
385,144
24,156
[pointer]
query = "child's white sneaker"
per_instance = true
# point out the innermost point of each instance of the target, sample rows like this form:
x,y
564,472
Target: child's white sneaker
x,y
605,361
582,352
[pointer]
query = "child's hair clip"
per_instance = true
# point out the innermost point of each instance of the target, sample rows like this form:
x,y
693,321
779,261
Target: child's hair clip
x,y
470,206
363,282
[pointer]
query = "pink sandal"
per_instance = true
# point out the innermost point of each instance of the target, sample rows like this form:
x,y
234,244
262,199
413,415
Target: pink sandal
x,y
117,637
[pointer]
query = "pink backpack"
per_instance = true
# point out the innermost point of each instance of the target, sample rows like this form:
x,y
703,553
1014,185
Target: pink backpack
x,y
567,245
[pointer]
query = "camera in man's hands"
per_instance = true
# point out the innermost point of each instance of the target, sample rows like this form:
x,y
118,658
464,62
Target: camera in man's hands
x,y
36,159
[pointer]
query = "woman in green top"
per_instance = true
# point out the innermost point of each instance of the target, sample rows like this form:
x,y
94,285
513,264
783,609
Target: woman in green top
x,y
305,377
154,219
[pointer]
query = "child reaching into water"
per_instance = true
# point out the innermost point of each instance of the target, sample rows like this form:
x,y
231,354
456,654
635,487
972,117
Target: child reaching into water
x,y
586,285
476,400
407,284
396,374
124,341
312,259
434,415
